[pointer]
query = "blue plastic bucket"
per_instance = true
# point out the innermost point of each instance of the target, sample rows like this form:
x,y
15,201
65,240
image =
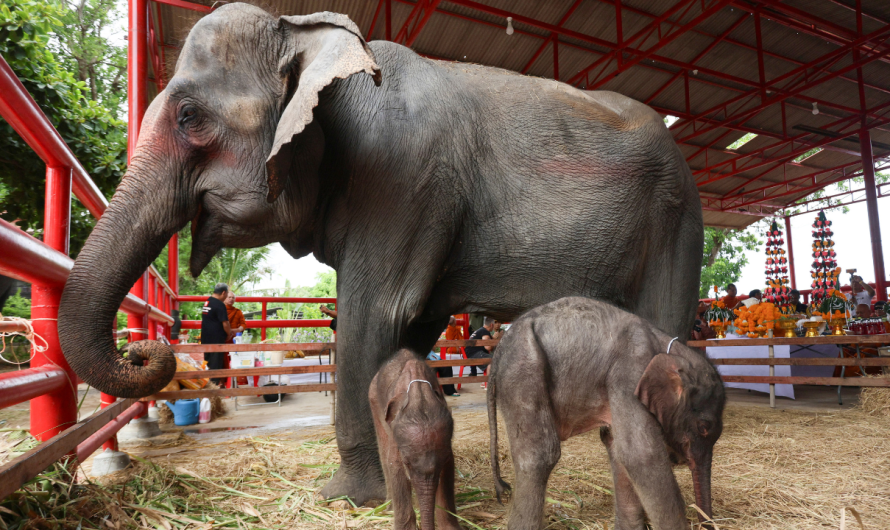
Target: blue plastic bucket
x,y
185,411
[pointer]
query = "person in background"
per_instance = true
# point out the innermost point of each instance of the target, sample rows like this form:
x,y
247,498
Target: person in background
x,y
236,317
862,311
215,329
331,313
799,307
731,299
881,309
489,326
452,332
861,295
701,330
754,298
443,371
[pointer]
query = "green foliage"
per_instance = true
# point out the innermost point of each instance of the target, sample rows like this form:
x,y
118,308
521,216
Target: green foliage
x,y
28,28
101,65
724,257
17,306
236,267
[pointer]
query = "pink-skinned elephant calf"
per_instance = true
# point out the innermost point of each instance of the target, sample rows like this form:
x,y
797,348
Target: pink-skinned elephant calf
x,y
576,364
414,429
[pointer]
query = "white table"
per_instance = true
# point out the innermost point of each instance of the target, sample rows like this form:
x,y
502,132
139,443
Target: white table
x,y
780,352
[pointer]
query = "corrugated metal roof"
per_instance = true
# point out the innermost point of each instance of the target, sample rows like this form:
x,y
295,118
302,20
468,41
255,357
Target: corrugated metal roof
x,y
793,33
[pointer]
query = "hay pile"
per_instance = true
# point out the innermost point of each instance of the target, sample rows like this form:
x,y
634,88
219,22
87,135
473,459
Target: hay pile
x,y
875,400
773,469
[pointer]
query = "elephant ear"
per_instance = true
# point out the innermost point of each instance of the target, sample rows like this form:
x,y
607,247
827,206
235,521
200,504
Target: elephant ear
x,y
661,386
318,49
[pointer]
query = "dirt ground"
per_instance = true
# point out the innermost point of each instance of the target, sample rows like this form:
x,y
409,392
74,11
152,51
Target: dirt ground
x,y
793,467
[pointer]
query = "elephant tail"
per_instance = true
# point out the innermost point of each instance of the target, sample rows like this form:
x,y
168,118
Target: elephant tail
x,y
499,485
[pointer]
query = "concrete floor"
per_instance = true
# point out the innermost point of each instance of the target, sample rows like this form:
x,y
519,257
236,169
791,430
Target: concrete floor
x,y
305,410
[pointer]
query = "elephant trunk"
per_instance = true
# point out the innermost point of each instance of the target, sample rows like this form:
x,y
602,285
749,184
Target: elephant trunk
x,y
701,481
425,488
130,234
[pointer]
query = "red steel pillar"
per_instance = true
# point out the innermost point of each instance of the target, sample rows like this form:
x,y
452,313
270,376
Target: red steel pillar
x,y
790,252
137,83
874,226
54,412
263,318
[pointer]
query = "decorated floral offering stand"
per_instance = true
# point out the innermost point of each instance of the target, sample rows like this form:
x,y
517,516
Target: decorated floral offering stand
x,y
719,317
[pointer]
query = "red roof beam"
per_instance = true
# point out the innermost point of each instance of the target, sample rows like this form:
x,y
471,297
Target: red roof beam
x,y
809,176
807,21
403,33
738,43
185,5
698,57
782,160
662,42
540,50
813,187
781,96
428,12
734,162
834,55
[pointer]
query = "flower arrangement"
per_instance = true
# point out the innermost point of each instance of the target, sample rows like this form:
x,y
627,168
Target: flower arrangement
x,y
833,305
718,313
825,271
778,291
756,320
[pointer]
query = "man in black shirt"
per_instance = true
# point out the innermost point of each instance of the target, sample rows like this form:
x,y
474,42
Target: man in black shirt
x,y
215,329
798,306
481,352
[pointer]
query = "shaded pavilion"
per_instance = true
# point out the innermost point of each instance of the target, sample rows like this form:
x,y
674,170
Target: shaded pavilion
x,y
769,101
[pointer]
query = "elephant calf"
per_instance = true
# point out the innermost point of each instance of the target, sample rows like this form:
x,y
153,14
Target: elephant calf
x,y
414,429
575,364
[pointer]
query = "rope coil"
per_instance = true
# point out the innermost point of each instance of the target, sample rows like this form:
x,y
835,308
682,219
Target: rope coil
x,y
29,334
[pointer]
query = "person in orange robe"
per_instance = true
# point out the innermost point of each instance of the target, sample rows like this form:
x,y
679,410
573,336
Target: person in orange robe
x,y
236,317
236,322
452,332
731,299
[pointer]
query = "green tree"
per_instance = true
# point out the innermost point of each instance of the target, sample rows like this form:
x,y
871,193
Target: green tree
x,y
724,257
17,306
98,139
99,63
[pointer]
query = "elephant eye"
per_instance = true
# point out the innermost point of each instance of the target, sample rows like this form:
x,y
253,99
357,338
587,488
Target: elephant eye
x,y
704,426
187,114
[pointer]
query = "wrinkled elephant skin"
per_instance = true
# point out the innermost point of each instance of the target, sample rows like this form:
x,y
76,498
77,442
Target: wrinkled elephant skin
x,y
577,364
431,187
414,429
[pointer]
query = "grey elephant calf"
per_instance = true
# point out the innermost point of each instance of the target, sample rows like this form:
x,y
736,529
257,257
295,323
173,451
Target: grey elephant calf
x,y
576,364
414,429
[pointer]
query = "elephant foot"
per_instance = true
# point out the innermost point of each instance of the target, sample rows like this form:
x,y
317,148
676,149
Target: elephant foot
x,y
359,488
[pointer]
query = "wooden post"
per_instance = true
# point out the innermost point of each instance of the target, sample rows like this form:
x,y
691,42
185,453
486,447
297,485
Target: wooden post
x,y
772,373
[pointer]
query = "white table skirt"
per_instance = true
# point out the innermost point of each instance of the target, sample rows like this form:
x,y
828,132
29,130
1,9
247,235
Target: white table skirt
x,y
295,379
780,352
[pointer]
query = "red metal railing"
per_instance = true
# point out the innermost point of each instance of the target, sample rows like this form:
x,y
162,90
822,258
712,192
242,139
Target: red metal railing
x,y
50,384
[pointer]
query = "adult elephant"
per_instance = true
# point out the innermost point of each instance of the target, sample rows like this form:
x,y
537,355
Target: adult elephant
x,y
430,187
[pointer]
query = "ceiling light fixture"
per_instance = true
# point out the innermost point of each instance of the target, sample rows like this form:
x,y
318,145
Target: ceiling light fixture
x,y
815,109
509,25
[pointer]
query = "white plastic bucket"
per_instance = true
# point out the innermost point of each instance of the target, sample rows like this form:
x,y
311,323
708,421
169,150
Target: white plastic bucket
x,y
276,358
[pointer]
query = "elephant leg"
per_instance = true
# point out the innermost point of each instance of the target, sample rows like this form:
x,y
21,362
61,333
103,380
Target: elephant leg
x,y
639,451
446,506
364,342
535,447
629,514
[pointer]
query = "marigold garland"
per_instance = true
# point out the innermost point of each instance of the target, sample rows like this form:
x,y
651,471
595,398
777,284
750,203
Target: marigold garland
x,y
778,291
